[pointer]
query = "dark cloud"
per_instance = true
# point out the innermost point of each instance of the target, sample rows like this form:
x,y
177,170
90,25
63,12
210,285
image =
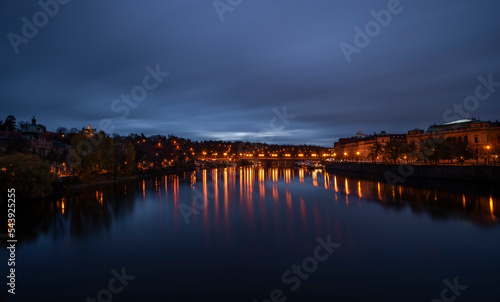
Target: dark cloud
x,y
226,78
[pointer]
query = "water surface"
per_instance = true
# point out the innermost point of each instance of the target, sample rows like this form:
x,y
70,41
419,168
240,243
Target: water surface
x,y
231,234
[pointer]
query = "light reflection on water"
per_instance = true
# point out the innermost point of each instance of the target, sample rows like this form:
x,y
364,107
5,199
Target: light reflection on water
x,y
282,186
250,216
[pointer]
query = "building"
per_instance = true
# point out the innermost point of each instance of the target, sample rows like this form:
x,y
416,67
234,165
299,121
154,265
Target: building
x,y
482,137
11,140
358,148
36,139
88,131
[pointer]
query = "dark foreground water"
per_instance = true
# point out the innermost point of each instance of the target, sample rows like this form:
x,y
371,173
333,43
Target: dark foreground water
x,y
245,234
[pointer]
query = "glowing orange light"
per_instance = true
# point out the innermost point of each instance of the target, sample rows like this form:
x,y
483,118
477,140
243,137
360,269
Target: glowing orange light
x,y
492,209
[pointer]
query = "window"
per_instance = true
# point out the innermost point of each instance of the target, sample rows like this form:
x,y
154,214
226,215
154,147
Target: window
x,y
476,139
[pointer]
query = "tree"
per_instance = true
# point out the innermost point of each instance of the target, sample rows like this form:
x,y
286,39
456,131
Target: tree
x,y
10,123
460,149
23,124
375,151
444,150
27,174
62,130
435,149
95,154
124,157
393,151
411,150
17,145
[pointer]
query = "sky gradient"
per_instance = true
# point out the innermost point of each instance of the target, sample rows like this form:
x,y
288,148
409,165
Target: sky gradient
x,y
228,78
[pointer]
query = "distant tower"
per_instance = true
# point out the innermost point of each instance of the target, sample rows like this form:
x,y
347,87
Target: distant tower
x,y
33,121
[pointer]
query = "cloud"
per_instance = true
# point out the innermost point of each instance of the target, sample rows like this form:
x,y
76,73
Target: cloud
x,y
227,77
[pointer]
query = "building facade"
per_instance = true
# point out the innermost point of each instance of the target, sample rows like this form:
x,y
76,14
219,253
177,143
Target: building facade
x,y
36,138
359,148
482,137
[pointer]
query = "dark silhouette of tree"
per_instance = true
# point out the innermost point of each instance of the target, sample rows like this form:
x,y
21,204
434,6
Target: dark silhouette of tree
x,y
10,123
62,130
393,150
411,150
23,124
375,151
96,154
28,174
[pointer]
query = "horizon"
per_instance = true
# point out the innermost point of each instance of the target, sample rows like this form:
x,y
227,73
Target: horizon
x,y
252,142
309,73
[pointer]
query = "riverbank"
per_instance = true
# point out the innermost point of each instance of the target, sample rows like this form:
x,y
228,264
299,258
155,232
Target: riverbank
x,y
461,173
73,184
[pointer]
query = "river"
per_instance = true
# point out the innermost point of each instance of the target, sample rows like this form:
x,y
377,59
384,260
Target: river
x,y
261,234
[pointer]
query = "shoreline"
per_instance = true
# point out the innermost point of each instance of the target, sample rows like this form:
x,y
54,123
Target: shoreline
x,y
489,174
478,174
69,187
72,184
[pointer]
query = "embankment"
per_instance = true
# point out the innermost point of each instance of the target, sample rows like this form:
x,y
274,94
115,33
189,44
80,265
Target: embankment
x,y
463,173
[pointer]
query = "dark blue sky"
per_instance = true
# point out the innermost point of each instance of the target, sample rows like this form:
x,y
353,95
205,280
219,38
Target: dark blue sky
x,y
226,76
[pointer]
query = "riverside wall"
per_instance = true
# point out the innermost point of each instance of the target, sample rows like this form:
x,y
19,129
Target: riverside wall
x,y
464,173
